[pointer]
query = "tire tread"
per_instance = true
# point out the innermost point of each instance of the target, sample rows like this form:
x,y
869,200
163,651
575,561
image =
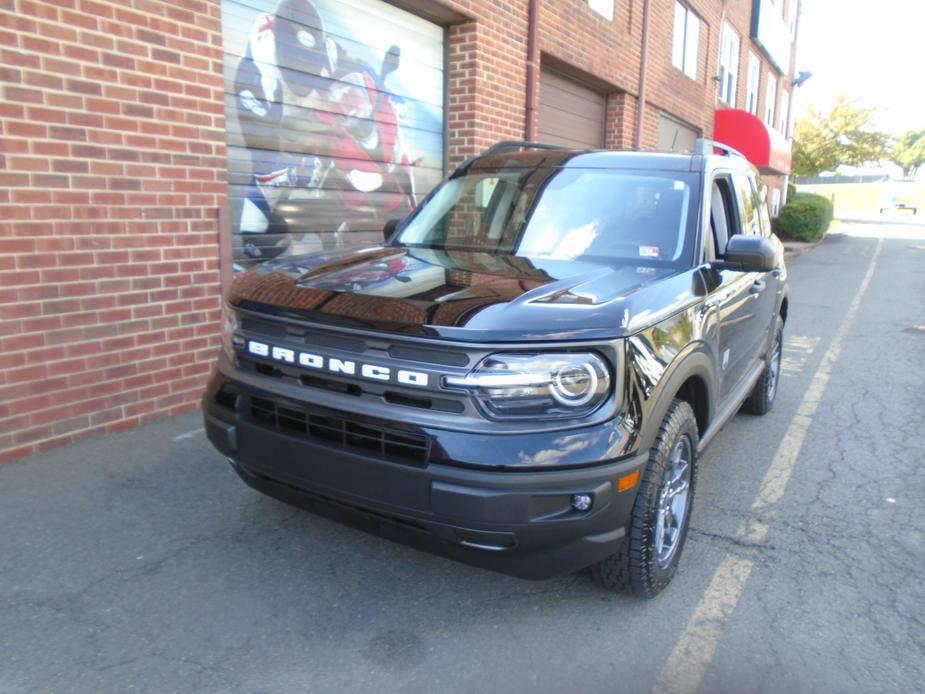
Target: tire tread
x,y
634,566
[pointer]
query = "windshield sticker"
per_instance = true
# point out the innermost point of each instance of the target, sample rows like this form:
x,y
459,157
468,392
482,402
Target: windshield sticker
x,y
643,270
648,251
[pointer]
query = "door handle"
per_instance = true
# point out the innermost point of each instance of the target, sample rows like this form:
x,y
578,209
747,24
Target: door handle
x,y
757,287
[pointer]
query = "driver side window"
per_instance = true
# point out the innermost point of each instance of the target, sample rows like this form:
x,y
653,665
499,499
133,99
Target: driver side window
x,y
722,217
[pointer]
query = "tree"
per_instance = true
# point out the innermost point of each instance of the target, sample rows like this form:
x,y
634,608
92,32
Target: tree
x,y
909,151
844,135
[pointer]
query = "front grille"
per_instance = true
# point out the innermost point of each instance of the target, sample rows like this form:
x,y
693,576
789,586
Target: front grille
x,y
359,389
387,443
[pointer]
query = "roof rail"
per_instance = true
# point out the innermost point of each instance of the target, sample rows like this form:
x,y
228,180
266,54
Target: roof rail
x,y
514,145
703,147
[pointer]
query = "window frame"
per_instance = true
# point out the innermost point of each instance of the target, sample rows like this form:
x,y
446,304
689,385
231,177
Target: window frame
x,y
681,57
770,100
723,180
729,74
744,185
752,91
605,8
783,117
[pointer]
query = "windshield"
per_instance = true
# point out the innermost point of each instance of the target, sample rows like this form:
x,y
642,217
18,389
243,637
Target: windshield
x,y
561,213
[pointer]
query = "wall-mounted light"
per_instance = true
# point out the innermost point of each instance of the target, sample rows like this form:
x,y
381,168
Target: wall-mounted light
x,y
801,77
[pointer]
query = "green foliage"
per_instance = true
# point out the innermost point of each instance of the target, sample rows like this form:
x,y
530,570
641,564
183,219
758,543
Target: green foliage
x,y
845,135
909,151
791,190
805,217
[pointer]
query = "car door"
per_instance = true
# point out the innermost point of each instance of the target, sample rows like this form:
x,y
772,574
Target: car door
x,y
765,286
730,293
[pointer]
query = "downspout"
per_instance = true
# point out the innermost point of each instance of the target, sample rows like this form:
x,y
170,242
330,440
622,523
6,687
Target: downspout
x,y
643,60
533,59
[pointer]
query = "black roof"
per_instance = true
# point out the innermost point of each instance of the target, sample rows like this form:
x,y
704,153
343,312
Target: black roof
x,y
533,155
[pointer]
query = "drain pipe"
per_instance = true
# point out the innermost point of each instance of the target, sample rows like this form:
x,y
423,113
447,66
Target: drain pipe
x,y
533,59
643,60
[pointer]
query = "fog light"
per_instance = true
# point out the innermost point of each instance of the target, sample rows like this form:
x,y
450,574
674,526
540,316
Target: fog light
x,y
581,502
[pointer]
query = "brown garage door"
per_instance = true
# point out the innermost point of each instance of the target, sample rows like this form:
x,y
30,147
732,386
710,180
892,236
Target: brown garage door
x,y
570,113
674,136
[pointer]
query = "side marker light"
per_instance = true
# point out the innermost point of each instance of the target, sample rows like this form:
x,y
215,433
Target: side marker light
x,y
628,481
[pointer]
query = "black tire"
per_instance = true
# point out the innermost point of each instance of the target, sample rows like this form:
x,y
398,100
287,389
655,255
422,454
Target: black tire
x,y
761,399
638,565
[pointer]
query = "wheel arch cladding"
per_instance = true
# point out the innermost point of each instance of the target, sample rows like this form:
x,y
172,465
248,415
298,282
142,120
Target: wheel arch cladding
x,y
692,379
694,392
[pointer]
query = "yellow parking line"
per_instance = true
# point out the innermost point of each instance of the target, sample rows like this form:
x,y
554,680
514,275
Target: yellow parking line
x,y
694,652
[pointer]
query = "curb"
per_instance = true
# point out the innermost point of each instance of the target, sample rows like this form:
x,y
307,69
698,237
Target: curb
x,y
794,249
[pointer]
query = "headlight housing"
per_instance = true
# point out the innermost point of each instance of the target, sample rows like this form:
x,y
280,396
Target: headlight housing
x,y
563,385
229,328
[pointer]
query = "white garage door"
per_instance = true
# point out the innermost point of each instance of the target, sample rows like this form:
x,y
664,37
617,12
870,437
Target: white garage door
x,y
334,118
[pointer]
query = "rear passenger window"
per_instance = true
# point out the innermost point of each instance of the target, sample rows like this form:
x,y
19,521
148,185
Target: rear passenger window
x,y
748,206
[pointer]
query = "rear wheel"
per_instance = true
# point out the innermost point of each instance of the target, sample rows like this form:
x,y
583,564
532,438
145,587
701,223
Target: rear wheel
x,y
649,556
761,399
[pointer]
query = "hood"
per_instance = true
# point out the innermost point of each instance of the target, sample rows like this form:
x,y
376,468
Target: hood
x,y
465,296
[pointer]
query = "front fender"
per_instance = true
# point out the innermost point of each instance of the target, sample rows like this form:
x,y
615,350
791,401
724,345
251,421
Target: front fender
x,y
661,360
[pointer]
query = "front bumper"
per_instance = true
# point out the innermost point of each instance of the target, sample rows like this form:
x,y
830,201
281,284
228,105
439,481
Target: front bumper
x,y
517,522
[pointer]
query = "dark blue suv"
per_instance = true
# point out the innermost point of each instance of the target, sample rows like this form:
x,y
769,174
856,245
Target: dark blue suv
x,y
524,373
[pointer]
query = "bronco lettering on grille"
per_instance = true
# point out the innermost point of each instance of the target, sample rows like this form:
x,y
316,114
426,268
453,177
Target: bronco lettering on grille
x,y
373,372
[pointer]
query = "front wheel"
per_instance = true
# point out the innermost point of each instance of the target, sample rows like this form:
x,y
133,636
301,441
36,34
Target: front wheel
x,y
649,556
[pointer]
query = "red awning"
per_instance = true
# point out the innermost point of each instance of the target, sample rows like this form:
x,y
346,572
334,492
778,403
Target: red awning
x,y
762,146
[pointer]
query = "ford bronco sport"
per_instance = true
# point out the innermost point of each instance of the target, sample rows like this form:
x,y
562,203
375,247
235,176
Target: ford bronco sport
x,y
524,374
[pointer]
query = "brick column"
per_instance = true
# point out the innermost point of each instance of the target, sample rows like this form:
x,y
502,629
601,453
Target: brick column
x,y
487,77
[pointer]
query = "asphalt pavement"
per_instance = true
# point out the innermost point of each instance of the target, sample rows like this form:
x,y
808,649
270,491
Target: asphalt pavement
x,y
140,562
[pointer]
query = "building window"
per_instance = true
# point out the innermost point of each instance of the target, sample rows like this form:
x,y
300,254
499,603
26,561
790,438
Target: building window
x,y
729,65
783,119
770,97
685,40
751,84
602,7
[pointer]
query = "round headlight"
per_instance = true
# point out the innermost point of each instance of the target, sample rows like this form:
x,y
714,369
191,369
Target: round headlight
x,y
574,384
537,386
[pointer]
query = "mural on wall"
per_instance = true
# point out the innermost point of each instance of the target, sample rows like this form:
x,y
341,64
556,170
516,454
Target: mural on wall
x,y
334,121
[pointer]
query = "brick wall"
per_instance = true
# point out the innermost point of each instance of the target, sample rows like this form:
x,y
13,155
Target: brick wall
x,y
111,175
487,77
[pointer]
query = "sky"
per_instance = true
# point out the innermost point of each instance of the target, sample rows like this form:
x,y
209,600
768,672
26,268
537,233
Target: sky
x,y
873,51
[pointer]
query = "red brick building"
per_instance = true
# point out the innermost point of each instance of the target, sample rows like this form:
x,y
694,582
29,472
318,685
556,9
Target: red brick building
x,y
150,148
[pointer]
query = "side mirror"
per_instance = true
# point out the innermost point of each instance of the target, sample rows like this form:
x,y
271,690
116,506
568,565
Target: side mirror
x,y
748,254
389,228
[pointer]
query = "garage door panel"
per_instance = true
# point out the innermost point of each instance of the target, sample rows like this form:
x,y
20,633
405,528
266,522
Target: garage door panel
x,y
564,141
674,136
570,113
334,115
562,83
576,126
